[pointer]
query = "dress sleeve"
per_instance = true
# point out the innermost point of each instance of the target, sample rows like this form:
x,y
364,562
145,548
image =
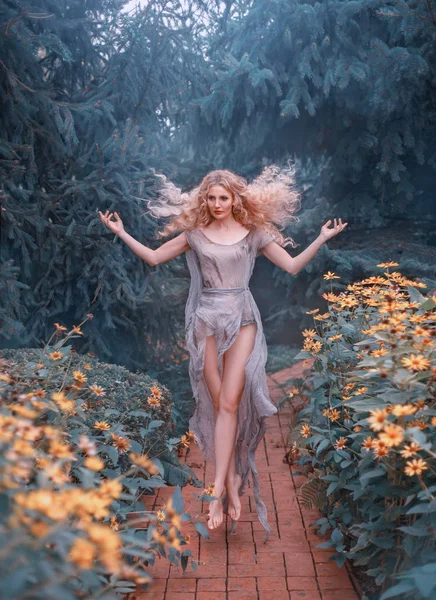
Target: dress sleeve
x,y
262,239
191,237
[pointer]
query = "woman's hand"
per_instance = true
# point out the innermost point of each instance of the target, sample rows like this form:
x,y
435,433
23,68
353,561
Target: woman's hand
x,y
328,232
116,226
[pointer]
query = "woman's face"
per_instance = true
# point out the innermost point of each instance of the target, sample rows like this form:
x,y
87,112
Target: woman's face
x,y
219,201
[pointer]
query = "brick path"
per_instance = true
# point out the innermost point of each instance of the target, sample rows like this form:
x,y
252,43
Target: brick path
x,y
240,566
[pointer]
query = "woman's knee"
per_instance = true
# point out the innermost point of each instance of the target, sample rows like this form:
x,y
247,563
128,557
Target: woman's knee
x,y
228,403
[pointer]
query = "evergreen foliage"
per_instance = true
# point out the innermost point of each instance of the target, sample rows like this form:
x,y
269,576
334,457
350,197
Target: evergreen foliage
x,y
90,98
347,89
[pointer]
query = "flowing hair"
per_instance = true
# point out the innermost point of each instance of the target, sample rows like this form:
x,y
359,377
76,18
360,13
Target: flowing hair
x,y
269,202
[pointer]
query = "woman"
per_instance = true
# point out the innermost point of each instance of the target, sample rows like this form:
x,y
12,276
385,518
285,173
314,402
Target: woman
x,y
225,223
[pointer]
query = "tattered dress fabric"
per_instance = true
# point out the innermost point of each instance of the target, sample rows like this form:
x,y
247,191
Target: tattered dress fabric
x,y
219,304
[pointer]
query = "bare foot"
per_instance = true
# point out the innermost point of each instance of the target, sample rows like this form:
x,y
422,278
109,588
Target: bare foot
x,y
215,514
233,486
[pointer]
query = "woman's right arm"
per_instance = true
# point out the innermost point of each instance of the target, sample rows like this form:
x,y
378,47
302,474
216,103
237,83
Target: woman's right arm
x,y
166,252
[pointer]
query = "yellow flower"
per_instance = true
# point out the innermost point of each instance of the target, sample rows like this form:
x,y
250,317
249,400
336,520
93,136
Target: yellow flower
x,y
330,275
357,428
94,463
308,343
416,362
312,312
79,377
173,538
190,436
342,441
380,449
387,265
210,490
77,330
62,401
348,302
401,410
377,420
433,421
330,297
334,414
113,523
160,539
392,435
305,431
410,450
415,467
82,553
60,327
153,401
421,332
102,425
56,355
97,390
160,515
418,423
336,338
23,448
316,347
360,390
420,404
379,352
87,366
156,391
60,450
185,441
121,443
309,333
322,317
111,487
293,392
368,443
142,460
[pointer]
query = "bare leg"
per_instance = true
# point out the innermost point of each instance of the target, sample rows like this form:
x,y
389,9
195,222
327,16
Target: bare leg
x,y
232,386
213,382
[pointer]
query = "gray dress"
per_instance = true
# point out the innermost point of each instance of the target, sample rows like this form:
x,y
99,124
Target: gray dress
x,y
219,303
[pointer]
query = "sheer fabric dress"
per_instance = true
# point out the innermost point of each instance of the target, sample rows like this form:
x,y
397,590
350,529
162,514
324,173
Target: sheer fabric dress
x,y
219,304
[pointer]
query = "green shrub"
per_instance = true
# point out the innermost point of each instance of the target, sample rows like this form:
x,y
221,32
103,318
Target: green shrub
x,y
72,473
109,391
368,434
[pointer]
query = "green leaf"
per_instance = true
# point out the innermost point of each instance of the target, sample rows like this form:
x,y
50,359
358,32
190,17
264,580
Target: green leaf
x,y
331,488
415,530
379,472
337,536
202,530
415,296
397,590
322,446
177,500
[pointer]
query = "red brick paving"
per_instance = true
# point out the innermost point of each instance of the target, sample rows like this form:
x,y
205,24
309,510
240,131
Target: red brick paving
x,y
241,567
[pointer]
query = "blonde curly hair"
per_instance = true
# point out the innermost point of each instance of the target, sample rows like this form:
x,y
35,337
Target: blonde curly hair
x,y
269,202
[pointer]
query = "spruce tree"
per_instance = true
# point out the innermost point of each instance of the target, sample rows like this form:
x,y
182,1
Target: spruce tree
x,y
90,99
347,88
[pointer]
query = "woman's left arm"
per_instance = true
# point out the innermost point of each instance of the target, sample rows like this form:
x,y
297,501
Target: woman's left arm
x,y
293,265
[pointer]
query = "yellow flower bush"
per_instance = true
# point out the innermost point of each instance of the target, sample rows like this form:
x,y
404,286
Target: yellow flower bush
x,y
367,440
66,526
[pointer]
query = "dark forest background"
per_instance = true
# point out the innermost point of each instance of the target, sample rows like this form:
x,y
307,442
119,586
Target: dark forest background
x,y
97,101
